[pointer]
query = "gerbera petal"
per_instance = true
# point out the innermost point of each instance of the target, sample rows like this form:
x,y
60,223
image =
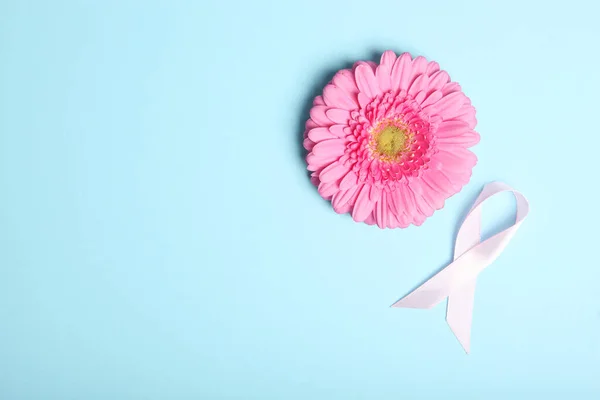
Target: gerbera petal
x,y
335,200
339,206
363,100
437,182
318,162
363,206
381,210
450,87
447,106
451,128
318,101
422,202
457,159
405,200
344,80
314,179
308,144
349,196
310,124
467,114
328,189
370,219
321,133
433,97
317,114
375,193
365,79
401,72
419,66
418,85
349,180
338,116
438,80
333,172
329,147
467,138
432,67
388,58
338,130
383,78
338,98
418,219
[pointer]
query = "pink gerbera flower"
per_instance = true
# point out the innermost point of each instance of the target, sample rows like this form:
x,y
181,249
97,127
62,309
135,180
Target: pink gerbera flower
x,y
389,142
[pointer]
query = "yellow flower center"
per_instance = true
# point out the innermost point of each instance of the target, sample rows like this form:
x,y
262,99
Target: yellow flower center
x,y
391,141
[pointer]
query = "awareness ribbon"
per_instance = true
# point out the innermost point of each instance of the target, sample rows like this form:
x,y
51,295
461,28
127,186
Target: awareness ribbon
x,y
471,256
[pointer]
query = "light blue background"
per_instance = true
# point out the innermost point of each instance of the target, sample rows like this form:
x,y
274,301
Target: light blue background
x,y
159,238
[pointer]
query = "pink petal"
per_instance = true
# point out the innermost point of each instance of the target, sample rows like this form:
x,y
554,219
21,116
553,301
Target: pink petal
x,y
365,79
375,193
420,97
317,162
347,196
349,180
344,80
318,101
340,205
419,84
363,100
370,219
333,172
438,80
338,98
438,182
338,130
450,87
447,106
467,114
308,144
388,58
363,206
401,72
405,200
421,202
392,220
317,114
432,68
451,128
326,190
319,134
338,116
418,219
381,212
314,179
419,66
433,97
383,78
403,220
466,139
457,159
310,124
329,147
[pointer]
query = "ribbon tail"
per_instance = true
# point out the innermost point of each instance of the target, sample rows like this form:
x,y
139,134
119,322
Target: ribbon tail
x,y
429,294
459,313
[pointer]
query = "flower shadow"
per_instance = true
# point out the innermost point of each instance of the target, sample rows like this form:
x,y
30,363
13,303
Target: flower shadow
x,y
313,91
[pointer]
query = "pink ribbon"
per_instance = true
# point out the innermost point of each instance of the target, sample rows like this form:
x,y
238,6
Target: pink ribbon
x,y
471,256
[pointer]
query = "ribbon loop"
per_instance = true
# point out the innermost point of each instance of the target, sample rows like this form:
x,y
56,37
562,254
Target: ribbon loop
x,y
471,256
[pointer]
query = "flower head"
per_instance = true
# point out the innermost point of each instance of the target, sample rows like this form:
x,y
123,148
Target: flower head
x,y
389,142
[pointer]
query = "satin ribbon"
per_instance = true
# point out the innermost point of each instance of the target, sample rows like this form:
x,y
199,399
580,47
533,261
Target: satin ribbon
x,y
471,256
